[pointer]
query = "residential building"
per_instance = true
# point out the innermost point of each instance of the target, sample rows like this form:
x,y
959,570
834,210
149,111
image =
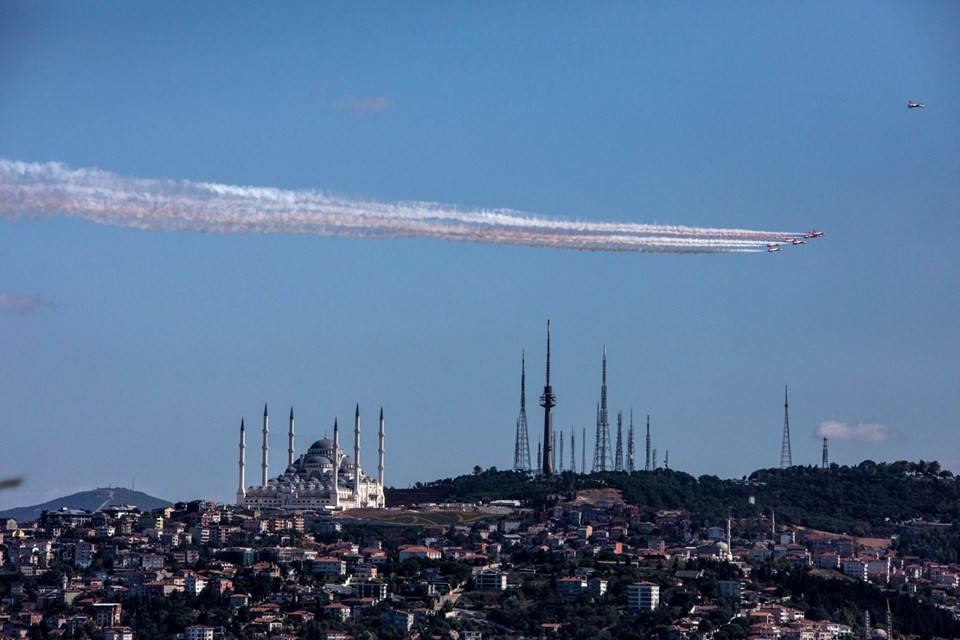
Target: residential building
x,y
643,596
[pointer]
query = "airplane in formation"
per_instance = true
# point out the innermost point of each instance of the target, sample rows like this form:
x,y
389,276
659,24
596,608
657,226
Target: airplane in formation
x,y
773,247
915,105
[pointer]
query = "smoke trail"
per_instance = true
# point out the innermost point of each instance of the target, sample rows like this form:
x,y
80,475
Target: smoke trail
x,y
22,305
35,190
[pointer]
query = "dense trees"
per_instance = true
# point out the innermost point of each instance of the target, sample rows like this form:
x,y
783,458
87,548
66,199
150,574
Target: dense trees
x,y
867,499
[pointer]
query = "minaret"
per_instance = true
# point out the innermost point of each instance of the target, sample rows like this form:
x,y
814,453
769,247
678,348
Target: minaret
x,y
826,454
521,449
729,557
380,452
786,458
336,465
356,456
648,466
290,443
548,401
241,490
631,465
266,431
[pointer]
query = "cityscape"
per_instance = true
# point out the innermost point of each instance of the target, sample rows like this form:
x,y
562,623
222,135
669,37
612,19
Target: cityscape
x,y
479,320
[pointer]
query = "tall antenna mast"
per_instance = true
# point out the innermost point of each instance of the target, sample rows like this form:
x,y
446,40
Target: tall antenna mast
x,y
573,450
618,456
583,452
631,467
648,466
521,450
560,456
539,456
601,453
786,458
826,455
548,401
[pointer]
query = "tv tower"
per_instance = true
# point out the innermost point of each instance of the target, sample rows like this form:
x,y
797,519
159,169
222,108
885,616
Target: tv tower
x,y
786,459
548,401
601,452
521,451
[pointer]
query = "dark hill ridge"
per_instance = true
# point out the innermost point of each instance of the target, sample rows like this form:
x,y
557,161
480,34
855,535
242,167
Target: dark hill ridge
x,y
92,500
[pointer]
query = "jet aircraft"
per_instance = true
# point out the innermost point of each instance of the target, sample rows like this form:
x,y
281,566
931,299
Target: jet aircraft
x,y
774,247
813,234
915,105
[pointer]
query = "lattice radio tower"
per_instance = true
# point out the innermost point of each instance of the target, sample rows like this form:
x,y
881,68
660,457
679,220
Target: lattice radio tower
x,y
648,466
521,451
601,451
618,455
573,450
786,458
631,465
826,454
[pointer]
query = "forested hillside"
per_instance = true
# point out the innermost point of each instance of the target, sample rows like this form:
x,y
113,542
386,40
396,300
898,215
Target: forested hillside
x,y
867,499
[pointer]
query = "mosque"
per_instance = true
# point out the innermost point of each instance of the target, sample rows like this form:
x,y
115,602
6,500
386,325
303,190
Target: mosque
x,y
324,478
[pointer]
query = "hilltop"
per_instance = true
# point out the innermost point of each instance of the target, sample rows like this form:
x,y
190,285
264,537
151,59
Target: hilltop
x,y
865,500
92,500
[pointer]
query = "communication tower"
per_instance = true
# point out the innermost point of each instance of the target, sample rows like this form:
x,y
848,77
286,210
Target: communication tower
x,y
618,455
548,401
601,452
521,450
786,458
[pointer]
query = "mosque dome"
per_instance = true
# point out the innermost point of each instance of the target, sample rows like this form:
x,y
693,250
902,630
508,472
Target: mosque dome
x,y
323,444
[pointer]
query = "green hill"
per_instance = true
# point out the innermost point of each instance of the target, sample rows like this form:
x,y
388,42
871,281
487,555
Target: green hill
x,y
92,500
867,499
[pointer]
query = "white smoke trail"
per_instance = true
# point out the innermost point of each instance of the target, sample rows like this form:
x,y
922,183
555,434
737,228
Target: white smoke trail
x,y
34,190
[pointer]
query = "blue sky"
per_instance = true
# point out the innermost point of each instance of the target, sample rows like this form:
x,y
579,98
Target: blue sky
x,y
131,355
